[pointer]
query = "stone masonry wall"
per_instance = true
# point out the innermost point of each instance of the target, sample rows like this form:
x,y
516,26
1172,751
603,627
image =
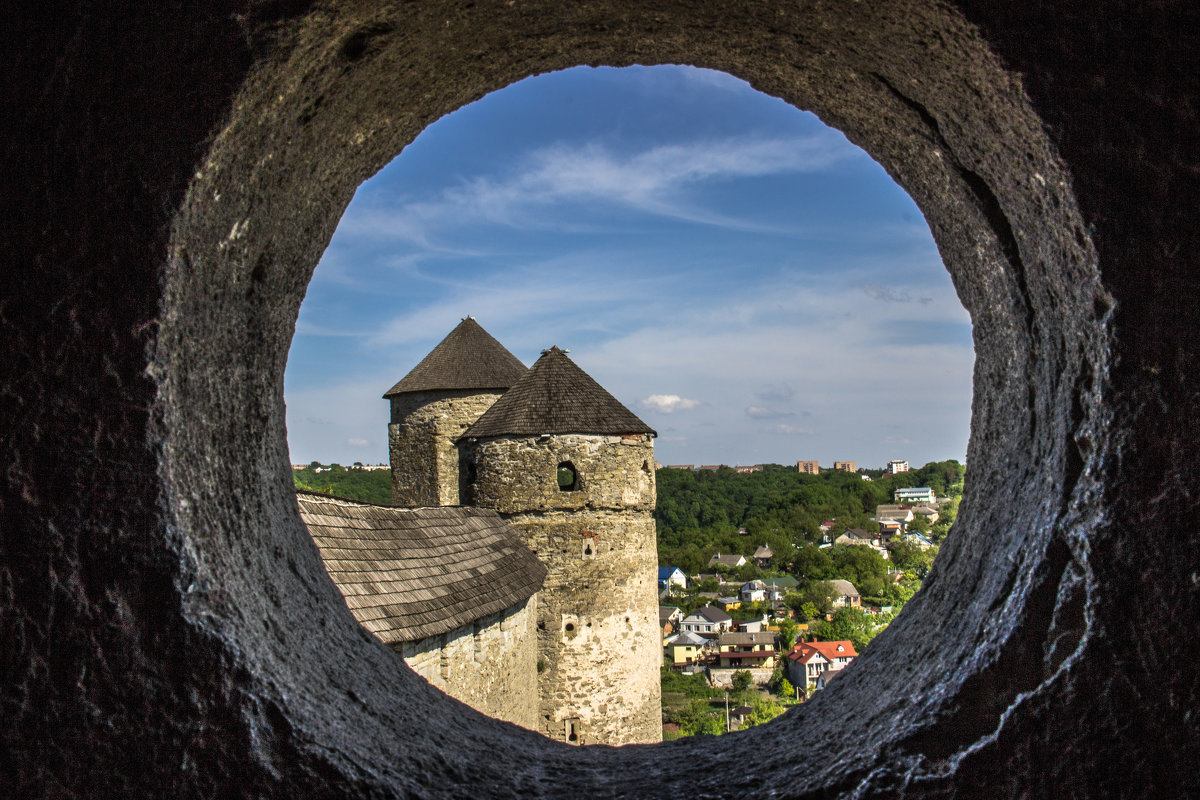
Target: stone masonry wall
x,y
425,459
490,665
614,472
598,636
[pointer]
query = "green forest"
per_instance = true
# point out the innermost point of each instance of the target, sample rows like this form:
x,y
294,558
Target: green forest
x,y
701,513
355,483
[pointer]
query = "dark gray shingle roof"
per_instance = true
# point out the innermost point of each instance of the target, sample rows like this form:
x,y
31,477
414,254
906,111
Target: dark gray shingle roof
x,y
468,358
556,396
409,573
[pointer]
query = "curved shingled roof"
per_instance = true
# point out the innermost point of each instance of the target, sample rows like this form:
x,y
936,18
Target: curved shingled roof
x,y
468,358
410,573
556,396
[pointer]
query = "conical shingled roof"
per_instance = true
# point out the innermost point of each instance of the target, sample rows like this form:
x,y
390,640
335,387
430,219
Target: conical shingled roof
x,y
468,358
556,396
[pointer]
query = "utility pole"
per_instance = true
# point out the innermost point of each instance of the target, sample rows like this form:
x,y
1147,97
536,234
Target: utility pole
x,y
727,728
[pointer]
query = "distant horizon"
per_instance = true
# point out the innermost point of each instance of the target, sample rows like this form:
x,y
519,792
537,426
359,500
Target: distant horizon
x,y
733,271
696,464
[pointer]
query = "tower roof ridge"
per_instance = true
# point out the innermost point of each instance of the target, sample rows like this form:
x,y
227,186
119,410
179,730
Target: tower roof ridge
x,y
556,396
468,358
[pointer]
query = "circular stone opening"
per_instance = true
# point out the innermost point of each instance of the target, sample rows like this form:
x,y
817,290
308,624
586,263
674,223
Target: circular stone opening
x,y
334,97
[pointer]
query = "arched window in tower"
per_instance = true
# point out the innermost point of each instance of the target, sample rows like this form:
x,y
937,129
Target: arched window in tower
x,y
568,477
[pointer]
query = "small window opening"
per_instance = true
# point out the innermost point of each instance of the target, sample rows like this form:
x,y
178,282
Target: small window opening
x,y
591,543
572,731
568,478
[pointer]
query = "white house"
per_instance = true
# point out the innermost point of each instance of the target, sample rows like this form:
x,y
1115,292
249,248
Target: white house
x,y
915,494
754,592
812,663
707,621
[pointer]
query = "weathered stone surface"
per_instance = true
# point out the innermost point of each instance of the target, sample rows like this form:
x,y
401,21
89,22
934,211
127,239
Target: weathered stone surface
x,y
598,635
490,665
518,473
175,174
421,442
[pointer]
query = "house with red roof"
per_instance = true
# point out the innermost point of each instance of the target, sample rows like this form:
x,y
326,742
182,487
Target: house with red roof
x,y
812,664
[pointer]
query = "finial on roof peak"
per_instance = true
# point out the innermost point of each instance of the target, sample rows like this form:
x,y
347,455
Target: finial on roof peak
x,y
555,349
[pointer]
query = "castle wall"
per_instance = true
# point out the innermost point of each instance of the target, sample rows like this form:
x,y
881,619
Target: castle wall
x,y
597,618
519,473
421,434
490,665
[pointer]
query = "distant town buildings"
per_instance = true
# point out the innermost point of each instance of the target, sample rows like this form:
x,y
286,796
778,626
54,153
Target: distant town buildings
x,y
915,494
808,467
895,467
844,466
748,469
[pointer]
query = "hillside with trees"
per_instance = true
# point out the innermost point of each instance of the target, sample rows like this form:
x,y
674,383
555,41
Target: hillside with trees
x,y
354,482
704,513
700,513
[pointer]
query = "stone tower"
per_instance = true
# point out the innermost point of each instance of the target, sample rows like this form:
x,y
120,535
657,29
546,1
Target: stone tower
x,y
572,470
435,403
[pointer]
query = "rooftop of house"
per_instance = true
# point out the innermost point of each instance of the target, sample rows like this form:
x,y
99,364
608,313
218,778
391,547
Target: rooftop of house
x,y
712,614
739,638
845,588
858,533
727,560
468,358
687,639
805,652
411,573
554,397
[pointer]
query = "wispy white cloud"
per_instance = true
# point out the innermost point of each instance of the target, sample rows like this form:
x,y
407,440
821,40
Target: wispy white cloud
x,y
758,412
889,294
654,180
669,403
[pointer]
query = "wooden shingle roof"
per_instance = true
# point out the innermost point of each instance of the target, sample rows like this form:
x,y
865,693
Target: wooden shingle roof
x,y
468,358
410,573
556,396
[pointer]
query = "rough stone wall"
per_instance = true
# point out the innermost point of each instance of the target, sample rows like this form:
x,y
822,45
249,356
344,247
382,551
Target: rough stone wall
x,y
598,635
490,665
425,459
614,472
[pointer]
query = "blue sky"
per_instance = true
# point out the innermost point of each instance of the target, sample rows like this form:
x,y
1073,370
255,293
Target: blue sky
x,y
748,282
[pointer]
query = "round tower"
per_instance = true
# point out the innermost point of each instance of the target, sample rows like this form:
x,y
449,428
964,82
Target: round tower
x,y
435,403
572,470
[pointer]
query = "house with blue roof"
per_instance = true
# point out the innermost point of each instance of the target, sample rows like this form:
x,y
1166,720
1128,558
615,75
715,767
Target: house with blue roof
x,y
669,577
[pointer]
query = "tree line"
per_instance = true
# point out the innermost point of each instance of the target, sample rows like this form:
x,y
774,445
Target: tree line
x,y
354,483
702,513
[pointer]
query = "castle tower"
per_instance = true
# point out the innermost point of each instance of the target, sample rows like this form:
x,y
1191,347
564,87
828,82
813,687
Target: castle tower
x,y
435,403
572,470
